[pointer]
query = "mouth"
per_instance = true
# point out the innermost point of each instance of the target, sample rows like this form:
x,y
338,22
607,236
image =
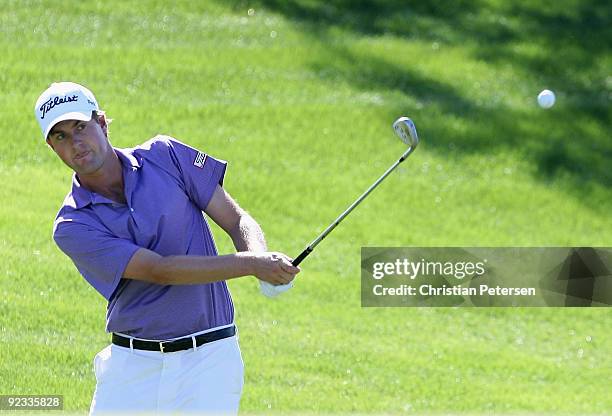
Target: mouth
x,y
81,155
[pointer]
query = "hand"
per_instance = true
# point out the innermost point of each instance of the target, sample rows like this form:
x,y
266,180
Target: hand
x,y
274,268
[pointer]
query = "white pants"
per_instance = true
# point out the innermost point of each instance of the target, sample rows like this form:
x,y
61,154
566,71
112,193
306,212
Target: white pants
x,y
205,380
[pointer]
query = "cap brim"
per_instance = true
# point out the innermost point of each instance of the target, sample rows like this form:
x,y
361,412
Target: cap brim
x,y
75,115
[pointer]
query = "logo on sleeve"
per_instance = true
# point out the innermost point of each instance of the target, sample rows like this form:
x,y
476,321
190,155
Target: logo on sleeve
x,y
199,160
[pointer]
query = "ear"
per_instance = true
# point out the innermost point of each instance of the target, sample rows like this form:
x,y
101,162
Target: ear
x,y
101,120
50,144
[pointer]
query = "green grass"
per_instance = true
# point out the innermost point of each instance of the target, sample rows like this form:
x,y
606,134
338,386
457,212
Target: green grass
x,y
299,97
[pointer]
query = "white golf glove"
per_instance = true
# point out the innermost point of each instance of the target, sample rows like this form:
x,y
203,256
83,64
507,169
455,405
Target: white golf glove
x,y
271,291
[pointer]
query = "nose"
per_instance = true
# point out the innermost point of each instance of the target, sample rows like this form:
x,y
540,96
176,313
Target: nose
x,y
77,135
78,141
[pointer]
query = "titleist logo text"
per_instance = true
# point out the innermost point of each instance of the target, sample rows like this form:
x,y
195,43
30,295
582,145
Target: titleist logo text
x,y
48,105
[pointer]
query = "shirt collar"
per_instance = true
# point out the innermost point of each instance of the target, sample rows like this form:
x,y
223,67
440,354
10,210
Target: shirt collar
x,y
83,196
127,158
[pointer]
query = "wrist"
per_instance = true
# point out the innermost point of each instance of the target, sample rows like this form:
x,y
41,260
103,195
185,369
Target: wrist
x,y
246,263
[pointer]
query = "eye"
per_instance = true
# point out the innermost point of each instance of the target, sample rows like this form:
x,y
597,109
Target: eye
x,y
81,126
59,136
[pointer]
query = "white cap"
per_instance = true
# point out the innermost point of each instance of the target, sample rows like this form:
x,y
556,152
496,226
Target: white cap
x,y
64,101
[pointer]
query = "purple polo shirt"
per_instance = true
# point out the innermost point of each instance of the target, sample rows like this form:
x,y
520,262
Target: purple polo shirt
x,y
167,186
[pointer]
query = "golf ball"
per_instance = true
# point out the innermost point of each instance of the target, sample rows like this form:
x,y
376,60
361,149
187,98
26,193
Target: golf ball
x,y
546,99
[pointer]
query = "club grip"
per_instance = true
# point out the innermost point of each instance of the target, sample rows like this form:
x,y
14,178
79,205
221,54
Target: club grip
x,y
302,256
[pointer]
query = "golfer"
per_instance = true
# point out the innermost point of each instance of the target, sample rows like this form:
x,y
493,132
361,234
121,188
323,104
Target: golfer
x,y
133,225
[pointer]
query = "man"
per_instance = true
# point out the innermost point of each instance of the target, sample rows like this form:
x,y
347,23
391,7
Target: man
x,y
133,226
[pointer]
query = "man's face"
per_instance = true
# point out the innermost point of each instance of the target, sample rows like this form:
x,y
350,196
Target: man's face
x,y
82,145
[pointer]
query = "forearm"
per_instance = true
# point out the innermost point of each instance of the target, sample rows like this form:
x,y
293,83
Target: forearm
x,y
252,258
185,270
247,235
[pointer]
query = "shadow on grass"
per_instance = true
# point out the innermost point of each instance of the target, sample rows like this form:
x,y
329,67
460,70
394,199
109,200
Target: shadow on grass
x,y
565,43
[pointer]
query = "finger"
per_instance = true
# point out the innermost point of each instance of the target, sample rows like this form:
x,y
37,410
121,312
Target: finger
x,y
288,267
287,258
274,280
285,277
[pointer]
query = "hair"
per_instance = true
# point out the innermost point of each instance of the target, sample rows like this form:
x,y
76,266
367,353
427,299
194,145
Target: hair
x,y
96,114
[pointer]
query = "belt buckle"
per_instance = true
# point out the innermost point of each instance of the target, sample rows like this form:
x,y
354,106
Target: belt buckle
x,y
161,346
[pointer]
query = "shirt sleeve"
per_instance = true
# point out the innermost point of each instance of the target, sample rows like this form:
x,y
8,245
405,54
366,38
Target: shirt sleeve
x,y
100,257
200,172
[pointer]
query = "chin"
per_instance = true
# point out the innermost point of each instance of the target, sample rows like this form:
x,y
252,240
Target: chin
x,y
88,169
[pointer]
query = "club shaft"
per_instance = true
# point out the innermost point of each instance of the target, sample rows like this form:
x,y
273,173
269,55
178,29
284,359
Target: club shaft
x,y
338,220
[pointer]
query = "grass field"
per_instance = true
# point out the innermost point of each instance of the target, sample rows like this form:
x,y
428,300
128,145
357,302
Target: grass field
x,y
299,97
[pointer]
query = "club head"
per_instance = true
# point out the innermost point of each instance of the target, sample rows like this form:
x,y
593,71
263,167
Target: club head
x,y
405,129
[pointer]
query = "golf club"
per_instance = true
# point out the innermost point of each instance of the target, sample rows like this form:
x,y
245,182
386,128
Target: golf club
x,y
405,129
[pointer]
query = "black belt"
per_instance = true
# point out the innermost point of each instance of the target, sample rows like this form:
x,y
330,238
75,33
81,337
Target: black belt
x,y
176,345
